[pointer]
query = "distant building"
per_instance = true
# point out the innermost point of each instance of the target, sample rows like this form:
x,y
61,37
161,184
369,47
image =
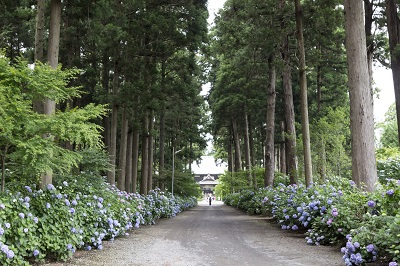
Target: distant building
x,y
207,172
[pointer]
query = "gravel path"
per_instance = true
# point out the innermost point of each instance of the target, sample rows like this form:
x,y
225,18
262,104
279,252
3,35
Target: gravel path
x,y
210,235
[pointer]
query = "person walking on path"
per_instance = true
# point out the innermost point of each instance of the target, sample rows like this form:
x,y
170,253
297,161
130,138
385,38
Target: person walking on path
x,y
209,200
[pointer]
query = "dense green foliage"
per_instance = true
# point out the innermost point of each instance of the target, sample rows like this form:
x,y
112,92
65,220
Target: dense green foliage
x,y
22,145
77,212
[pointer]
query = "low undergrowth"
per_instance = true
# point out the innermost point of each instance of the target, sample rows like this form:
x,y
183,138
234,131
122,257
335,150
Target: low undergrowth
x,y
366,225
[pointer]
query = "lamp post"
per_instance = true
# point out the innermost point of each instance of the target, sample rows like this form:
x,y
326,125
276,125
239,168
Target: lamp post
x,y
173,168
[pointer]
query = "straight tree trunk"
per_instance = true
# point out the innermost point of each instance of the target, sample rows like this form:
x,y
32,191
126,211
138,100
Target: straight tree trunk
x,y
361,99
252,152
135,160
230,155
145,154
290,133
39,30
303,92
123,151
105,83
161,163
270,127
129,158
236,140
247,148
394,40
282,153
150,145
112,149
49,105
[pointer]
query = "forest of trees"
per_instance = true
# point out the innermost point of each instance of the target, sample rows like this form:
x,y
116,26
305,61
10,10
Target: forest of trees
x,y
291,87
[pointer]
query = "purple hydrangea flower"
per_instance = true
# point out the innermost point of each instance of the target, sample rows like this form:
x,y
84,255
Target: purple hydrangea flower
x,y
390,192
48,206
370,248
26,230
36,252
1,231
393,263
51,187
371,203
21,215
69,246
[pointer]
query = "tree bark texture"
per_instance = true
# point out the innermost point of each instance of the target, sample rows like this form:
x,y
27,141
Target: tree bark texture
x,y
128,171
161,163
290,133
247,148
361,99
394,40
282,153
135,160
236,140
49,105
303,93
150,145
39,30
112,149
270,127
123,150
145,154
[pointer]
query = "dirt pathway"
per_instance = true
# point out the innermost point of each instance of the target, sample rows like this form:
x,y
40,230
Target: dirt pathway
x,y
210,235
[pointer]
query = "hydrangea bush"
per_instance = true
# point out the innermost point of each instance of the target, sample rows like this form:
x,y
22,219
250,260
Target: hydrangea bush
x,y
75,213
365,225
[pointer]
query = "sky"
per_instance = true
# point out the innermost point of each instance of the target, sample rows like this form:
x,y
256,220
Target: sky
x,y
382,77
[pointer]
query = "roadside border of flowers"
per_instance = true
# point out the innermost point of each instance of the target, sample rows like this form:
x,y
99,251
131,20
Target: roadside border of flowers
x,y
365,225
75,213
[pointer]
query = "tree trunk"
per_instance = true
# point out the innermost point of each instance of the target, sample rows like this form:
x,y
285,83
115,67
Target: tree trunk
x,y
247,148
282,154
135,160
319,89
270,127
49,105
361,106
39,30
128,178
303,93
230,154
290,136
394,40
150,145
161,163
252,152
236,140
123,151
145,154
112,149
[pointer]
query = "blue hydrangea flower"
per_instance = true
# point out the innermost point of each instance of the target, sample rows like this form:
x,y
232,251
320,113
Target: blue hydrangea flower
x,y
21,215
48,206
370,248
51,187
371,203
36,253
390,192
393,263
